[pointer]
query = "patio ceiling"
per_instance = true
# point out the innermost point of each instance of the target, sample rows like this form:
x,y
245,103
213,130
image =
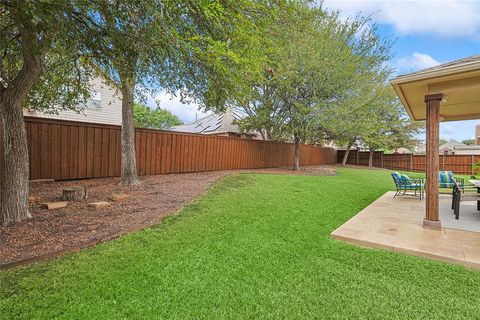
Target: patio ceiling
x,y
458,81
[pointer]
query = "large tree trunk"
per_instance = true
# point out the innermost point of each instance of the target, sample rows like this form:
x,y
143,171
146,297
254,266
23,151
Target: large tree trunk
x,y
129,163
345,156
370,158
14,174
296,158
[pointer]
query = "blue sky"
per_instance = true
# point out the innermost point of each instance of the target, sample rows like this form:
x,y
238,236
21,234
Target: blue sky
x,y
426,32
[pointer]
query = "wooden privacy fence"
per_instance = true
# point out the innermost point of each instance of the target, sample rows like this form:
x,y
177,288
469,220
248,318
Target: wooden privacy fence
x,y
64,150
460,164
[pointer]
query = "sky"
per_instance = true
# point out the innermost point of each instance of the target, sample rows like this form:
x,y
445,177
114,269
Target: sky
x,y
426,33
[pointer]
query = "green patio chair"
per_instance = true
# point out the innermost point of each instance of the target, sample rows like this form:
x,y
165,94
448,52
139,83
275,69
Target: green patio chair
x,y
405,184
447,180
460,195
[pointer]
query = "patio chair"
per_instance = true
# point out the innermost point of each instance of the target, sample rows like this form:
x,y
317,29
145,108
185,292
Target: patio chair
x,y
460,194
405,184
447,180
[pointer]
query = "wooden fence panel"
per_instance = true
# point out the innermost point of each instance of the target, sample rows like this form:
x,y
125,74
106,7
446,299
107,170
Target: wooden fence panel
x,y
418,163
353,156
82,153
64,150
90,141
460,164
396,161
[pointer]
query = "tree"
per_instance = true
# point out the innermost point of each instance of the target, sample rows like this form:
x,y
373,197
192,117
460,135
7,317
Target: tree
x,y
469,142
360,110
346,119
179,46
154,119
309,61
39,68
442,141
313,57
373,118
388,127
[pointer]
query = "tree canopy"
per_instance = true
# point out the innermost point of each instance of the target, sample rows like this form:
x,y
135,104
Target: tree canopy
x,y
158,118
43,33
196,49
469,142
319,76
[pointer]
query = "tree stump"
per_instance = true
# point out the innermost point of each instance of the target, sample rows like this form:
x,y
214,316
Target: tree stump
x,y
73,194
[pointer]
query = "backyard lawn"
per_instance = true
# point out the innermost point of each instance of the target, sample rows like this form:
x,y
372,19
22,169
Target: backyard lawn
x,y
256,246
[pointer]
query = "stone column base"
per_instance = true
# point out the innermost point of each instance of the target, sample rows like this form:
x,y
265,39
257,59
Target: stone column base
x,y
435,225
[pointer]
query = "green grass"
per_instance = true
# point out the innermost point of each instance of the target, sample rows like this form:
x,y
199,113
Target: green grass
x,y
256,246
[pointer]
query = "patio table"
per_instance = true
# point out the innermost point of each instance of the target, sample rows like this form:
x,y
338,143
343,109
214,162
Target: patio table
x,y
476,183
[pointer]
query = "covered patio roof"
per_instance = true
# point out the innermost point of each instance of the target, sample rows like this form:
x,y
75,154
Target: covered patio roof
x,y
447,92
458,81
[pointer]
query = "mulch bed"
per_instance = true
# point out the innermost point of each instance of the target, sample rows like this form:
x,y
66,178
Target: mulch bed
x,y
53,232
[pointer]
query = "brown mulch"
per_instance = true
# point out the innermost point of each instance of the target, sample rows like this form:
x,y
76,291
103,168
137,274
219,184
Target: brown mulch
x,y
53,232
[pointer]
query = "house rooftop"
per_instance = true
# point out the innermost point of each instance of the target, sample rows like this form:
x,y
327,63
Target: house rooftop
x,y
445,67
465,147
452,145
213,124
458,82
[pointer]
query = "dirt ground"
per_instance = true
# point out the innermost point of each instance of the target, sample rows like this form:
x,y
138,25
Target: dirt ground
x,y
54,232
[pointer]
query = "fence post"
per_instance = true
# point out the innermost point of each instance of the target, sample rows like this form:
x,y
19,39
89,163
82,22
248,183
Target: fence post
x,y
411,162
358,157
381,159
472,157
443,162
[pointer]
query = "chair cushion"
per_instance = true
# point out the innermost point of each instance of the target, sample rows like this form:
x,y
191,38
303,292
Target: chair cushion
x,y
396,175
414,186
446,179
405,179
396,179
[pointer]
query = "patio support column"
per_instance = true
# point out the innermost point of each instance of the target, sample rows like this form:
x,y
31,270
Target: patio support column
x,y
432,219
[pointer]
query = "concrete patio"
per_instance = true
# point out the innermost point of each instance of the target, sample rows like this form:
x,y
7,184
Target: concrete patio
x,y
397,224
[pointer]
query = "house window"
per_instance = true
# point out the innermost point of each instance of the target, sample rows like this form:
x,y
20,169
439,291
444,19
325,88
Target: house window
x,y
95,101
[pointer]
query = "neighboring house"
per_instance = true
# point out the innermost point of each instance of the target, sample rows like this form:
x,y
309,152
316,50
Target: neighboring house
x,y
219,125
104,106
467,150
449,147
402,151
420,148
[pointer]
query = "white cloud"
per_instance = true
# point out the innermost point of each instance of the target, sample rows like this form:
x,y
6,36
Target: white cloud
x,y
414,62
444,18
186,112
458,130
447,131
